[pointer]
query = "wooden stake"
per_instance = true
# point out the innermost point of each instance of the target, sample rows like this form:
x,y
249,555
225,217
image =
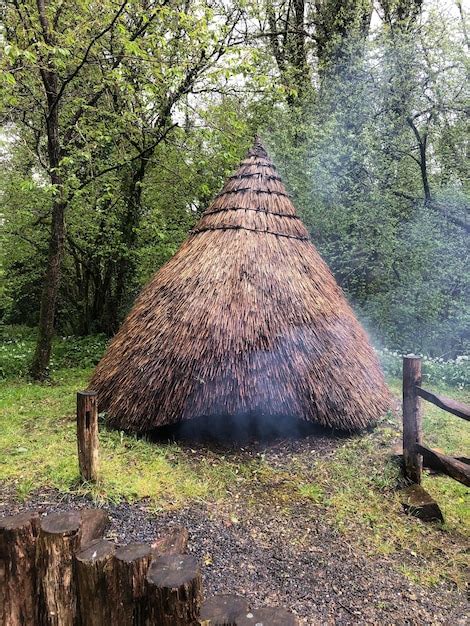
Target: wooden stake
x,y
412,426
130,566
222,610
87,434
175,542
18,599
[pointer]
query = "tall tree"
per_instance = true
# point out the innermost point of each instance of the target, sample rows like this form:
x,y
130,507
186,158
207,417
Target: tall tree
x,y
72,94
287,33
341,29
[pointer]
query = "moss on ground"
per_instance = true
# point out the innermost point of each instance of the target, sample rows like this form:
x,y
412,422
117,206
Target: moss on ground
x,y
354,486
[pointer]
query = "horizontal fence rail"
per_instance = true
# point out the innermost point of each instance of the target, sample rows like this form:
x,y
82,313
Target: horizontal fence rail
x,y
451,406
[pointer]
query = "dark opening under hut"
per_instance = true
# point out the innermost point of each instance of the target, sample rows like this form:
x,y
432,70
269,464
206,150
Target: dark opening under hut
x,y
245,320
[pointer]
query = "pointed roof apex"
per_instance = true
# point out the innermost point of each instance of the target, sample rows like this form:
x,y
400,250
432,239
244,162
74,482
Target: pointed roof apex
x,y
258,150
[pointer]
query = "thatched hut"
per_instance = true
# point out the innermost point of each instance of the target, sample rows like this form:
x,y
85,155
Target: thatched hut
x,y
245,320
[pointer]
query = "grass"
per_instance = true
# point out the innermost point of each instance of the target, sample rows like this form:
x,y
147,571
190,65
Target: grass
x,y
355,485
361,496
38,449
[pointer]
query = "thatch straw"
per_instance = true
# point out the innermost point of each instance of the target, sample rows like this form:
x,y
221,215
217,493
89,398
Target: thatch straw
x,y
245,319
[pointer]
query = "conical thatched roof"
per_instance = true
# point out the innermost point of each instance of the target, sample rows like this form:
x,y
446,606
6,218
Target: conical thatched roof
x,y
245,319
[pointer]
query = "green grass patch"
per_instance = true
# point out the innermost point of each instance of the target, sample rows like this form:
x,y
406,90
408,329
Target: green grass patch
x,y
361,496
354,486
38,449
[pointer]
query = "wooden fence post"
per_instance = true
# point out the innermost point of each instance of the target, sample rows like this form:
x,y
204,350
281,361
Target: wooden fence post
x,y
95,590
412,427
87,434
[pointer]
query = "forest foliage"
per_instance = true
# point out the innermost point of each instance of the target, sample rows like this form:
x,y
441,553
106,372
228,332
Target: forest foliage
x,y
121,120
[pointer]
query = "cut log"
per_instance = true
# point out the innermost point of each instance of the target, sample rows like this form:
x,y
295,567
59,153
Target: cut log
x,y
451,406
18,599
412,426
59,539
174,591
222,610
130,567
87,434
93,572
175,542
417,502
267,617
60,536
454,468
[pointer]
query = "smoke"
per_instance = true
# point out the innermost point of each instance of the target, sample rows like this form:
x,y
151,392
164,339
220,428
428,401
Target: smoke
x,y
236,430
357,181
275,400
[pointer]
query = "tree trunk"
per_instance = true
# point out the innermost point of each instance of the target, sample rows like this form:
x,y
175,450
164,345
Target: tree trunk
x,y
39,368
338,25
421,138
57,236
131,189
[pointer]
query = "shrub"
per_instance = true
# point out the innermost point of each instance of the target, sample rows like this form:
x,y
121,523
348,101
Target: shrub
x,y
437,371
17,344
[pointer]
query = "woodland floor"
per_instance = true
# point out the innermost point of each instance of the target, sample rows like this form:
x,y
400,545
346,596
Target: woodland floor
x,y
313,524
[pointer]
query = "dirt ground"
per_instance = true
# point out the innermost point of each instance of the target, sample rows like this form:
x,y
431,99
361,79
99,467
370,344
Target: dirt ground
x,y
296,560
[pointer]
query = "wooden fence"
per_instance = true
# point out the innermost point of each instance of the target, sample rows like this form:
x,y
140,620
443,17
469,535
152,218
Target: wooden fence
x,y
58,570
415,454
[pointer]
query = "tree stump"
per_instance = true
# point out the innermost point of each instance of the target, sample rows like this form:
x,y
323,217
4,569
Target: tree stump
x,y
174,591
222,610
130,566
267,617
60,536
93,571
175,542
18,599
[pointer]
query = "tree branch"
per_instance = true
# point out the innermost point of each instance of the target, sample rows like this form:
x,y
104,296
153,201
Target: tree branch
x,y
71,76
142,154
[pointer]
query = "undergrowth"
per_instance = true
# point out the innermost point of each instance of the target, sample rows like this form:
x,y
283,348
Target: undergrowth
x,y
17,344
